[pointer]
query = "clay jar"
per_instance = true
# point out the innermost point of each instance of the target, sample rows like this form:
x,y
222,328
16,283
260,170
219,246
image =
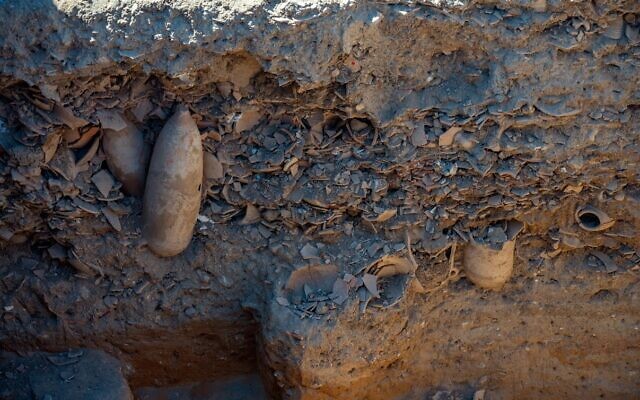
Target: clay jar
x,y
491,268
172,193
593,219
127,157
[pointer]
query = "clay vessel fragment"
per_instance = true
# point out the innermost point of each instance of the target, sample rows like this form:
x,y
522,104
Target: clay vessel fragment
x,y
172,192
316,277
394,274
488,267
593,219
127,157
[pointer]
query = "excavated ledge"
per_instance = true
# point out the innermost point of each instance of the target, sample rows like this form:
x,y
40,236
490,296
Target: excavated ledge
x,y
338,136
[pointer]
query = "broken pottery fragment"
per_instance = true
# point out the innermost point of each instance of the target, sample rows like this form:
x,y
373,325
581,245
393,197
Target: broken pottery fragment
x,y
213,168
316,277
172,193
488,258
447,138
248,119
251,216
68,118
127,157
371,283
392,274
340,291
50,146
593,219
85,138
615,29
609,264
103,181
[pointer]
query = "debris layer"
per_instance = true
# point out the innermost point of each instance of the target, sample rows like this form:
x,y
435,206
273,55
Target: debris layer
x,y
350,148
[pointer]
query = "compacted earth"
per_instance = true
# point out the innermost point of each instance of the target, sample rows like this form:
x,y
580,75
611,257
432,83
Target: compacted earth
x,y
353,164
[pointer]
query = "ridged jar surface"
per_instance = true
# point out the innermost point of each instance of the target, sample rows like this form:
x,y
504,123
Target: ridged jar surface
x,y
489,268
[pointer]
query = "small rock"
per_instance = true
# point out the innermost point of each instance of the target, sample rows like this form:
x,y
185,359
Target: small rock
x,y
110,301
309,252
282,301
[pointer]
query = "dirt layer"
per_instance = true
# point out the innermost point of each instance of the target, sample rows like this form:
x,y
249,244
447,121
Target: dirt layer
x,y
352,150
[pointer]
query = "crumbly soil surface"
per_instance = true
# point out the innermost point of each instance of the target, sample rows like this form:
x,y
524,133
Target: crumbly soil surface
x,y
353,152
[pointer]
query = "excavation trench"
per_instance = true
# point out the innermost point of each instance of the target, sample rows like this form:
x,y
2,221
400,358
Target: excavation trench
x,y
352,164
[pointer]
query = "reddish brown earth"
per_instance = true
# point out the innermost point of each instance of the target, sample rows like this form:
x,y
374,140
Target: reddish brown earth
x,y
352,151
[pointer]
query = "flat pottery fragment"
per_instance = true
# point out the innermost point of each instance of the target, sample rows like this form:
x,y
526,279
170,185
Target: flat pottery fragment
x,y
213,168
67,117
85,206
103,181
248,119
172,192
142,109
63,162
609,265
386,215
85,138
88,154
466,140
447,138
309,252
112,218
57,252
558,109
50,146
419,137
340,291
70,135
371,283
251,216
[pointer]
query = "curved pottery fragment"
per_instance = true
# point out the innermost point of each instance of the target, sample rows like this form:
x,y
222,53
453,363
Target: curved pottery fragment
x,y
127,157
314,277
593,219
488,267
393,275
174,182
